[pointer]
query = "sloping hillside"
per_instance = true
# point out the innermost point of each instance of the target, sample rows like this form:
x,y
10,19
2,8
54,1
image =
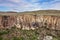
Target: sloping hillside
x,y
35,25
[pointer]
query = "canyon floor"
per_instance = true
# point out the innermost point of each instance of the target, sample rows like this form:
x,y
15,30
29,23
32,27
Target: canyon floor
x,y
37,34
49,29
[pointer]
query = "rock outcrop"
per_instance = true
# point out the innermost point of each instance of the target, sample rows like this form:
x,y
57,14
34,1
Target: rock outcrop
x,y
29,21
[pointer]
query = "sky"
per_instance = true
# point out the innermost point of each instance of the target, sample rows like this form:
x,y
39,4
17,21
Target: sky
x,y
29,5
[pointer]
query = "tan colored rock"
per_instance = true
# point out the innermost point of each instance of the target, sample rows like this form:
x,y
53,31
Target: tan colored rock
x,y
29,21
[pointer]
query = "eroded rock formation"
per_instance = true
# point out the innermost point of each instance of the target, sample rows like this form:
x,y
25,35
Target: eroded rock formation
x,y
29,21
7,21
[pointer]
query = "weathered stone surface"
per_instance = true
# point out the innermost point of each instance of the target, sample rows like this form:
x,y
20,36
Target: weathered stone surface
x,y
48,38
7,21
29,21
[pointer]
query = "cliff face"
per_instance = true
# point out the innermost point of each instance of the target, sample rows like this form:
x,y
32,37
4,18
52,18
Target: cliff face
x,y
29,21
7,21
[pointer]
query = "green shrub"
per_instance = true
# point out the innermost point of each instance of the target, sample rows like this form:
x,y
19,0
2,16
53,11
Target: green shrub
x,y
4,32
1,38
15,38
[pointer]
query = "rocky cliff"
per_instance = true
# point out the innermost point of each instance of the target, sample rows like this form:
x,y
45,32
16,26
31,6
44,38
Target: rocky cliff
x,y
30,21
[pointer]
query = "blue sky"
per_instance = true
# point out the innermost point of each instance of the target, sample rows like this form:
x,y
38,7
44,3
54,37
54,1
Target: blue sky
x,y
29,5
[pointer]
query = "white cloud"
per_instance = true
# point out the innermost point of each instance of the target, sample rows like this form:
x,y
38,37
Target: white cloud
x,y
55,6
27,7
24,5
7,5
16,1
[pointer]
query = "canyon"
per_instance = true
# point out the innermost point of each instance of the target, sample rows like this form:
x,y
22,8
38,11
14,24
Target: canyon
x,y
30,20
33,25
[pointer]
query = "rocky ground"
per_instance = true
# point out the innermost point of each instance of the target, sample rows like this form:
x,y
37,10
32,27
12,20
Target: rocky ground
x,y
37,34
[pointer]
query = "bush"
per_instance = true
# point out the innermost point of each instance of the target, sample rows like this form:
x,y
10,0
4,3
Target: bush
x,y
4,32
1,38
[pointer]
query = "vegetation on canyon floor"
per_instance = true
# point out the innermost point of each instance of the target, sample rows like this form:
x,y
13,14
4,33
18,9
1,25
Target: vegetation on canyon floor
x,y
18,34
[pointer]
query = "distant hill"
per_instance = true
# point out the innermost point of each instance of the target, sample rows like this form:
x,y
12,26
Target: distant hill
x,y
41,12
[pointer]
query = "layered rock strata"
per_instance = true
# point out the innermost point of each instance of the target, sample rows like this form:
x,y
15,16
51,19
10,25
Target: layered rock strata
x,y
29,21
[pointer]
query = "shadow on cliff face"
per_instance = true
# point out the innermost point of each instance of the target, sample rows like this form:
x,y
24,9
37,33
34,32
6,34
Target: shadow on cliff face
x,y
35,24
5,21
